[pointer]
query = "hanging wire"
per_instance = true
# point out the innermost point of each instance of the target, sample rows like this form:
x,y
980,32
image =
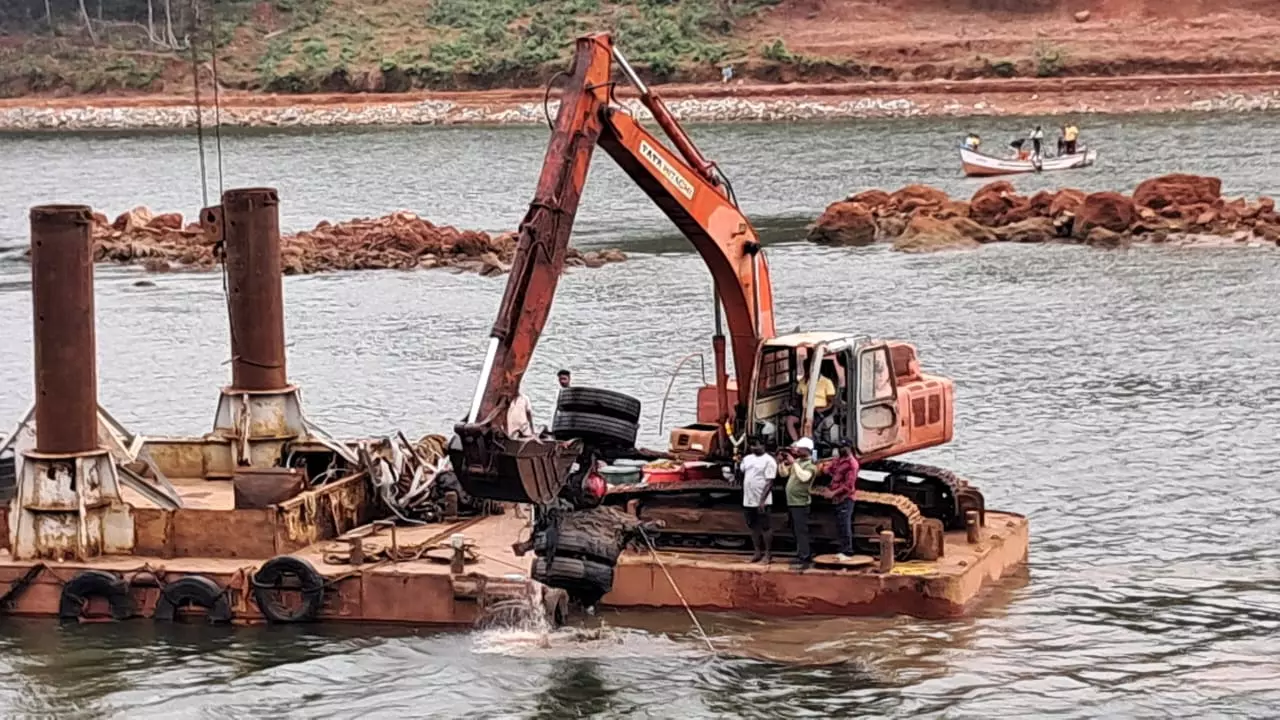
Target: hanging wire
x,y
195,76
217,104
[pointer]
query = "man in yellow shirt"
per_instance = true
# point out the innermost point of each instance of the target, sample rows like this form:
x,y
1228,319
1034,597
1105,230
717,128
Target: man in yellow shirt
x,y
824,394
1069,136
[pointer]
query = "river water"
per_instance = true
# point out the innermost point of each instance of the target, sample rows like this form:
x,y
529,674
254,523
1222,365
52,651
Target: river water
x,y
1126,401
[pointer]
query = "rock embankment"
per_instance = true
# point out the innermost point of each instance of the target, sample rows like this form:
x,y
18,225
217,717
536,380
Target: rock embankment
x,y
400,240
1170,208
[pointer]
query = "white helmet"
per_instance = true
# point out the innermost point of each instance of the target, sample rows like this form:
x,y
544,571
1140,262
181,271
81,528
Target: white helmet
x,y
804,443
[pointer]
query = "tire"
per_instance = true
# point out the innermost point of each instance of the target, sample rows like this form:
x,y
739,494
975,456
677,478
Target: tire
x,y
193,590
600,429
95,583
583,577
575,543
269,578
599,402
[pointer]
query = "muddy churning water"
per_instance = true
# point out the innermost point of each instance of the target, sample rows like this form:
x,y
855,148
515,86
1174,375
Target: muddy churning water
x,y
1125,400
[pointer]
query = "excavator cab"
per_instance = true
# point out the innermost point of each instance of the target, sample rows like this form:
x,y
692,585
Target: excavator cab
x,y
863,408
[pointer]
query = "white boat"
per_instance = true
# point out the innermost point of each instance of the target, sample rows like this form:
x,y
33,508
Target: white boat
x,y
979,164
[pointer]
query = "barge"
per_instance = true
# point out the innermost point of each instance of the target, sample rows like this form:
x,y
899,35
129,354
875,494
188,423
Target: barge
x,y
268,519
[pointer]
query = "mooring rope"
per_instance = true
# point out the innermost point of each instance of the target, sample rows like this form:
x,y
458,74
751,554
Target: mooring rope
x,y
654,551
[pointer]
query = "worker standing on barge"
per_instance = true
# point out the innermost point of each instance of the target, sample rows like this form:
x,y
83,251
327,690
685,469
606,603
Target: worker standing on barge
x,y
841,493
758,472
798,468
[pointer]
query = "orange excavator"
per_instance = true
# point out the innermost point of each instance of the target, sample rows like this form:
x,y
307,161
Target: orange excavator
x,y
883,403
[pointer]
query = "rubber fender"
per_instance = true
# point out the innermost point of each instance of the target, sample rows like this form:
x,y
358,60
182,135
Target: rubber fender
x,y
193,590
269,577
575,543
599,402
95,583
574,574
595,428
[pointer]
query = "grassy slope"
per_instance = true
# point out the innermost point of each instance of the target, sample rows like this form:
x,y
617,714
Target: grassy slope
x,y
298,46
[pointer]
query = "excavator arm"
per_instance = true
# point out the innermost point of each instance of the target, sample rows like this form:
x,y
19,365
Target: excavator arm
x,y
689,190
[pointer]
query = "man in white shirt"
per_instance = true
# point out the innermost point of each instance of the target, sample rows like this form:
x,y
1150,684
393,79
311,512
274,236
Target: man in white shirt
x,y
758,472
520,418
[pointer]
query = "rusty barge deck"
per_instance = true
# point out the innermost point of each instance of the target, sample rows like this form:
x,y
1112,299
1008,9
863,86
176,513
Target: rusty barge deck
x,y
213,540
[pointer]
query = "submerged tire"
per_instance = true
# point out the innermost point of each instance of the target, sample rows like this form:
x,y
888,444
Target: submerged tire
x,y
95,583
193,590
575,543
599,429
599,402
270,576
582,577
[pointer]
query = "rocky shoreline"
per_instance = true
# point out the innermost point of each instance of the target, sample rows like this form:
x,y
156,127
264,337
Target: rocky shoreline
x,y
697,103
1166,209
400,241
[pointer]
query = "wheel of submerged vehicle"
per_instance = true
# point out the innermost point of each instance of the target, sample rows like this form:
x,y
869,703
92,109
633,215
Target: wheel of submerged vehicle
x,y
599,402
575,543
583,578
95,583
598,429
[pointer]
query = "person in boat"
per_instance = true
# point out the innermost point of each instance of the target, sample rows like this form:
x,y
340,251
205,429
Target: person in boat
x,y
1062,139
1070,134
796,465
1019,149
1037,141
972,141
758,472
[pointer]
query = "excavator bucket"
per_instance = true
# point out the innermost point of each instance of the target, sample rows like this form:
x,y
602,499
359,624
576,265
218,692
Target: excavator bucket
x,y
493,466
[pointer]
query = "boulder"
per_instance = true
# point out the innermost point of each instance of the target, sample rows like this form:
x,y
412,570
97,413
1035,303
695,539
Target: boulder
x,y
1082,16
1031,230
1109,210
1206,218
135,219
929,234
844,223
1041,204
992,201
1066,200
1102,237
1177,189
891,226
871,199
949,209
166,221
1267,231
912,197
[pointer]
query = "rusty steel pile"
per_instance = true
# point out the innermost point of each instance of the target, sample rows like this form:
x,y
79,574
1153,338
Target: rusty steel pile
x,y
400,240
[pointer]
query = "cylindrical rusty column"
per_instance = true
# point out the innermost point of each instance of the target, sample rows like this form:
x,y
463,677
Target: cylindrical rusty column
x,y
66,354
251,219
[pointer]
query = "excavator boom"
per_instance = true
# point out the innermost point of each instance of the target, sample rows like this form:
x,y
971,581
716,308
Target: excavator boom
x,y
686,186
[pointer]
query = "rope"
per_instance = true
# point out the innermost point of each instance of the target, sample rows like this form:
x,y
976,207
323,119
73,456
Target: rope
x,y
654,551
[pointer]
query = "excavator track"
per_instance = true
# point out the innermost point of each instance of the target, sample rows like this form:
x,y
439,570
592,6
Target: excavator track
x,y
939,493
694,520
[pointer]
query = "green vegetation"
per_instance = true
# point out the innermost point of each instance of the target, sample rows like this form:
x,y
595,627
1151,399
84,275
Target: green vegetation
x,y
310,45
1050,60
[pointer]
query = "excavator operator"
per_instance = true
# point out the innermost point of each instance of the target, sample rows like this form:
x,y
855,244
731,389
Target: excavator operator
x,y
822,399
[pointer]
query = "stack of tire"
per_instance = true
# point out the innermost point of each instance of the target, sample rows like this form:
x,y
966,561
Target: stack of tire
x,y
599,417
582,563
